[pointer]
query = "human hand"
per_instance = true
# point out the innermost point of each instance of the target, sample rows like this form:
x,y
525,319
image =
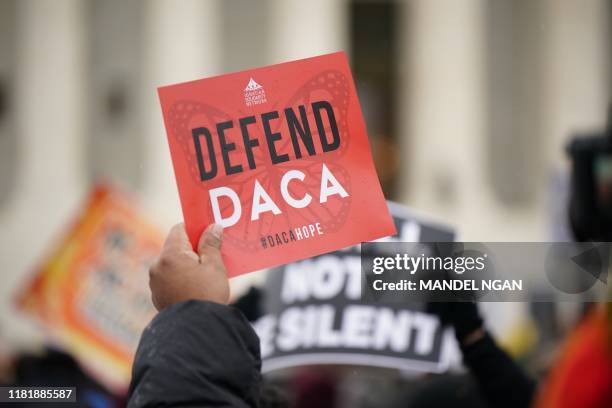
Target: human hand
x,y
181,274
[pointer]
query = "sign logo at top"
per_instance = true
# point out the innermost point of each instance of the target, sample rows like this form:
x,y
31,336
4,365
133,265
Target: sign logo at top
x,y
254,94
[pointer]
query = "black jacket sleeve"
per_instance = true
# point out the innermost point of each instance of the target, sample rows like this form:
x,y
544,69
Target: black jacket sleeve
x,y
502,382
197,354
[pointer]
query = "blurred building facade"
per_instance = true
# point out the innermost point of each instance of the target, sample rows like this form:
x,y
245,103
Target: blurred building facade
x,y
468,103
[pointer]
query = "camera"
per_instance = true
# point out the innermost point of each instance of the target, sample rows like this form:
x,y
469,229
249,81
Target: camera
x,y
590,205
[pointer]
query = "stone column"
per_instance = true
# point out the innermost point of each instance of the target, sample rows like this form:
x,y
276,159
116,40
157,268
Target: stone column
x,y
301,29
48,120
182,43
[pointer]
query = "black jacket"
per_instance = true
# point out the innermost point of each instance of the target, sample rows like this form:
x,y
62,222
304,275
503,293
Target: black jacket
x,y
197,354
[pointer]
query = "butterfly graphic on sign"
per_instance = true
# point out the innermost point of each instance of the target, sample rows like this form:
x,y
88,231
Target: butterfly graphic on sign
x,y
331,86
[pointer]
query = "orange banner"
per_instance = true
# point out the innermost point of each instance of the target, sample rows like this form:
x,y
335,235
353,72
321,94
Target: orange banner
x,y
91,293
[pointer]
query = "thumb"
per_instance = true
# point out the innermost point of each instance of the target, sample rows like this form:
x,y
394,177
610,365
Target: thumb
x,y
210,241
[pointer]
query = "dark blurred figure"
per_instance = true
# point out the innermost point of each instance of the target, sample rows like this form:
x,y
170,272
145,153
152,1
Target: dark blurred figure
x,y
500,380
55,368
582,375
590,206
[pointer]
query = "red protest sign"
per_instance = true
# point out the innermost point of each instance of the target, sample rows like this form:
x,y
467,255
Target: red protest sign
x,y
279,155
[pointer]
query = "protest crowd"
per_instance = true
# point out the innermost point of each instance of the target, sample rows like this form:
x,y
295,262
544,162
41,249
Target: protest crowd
x,y
182,228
